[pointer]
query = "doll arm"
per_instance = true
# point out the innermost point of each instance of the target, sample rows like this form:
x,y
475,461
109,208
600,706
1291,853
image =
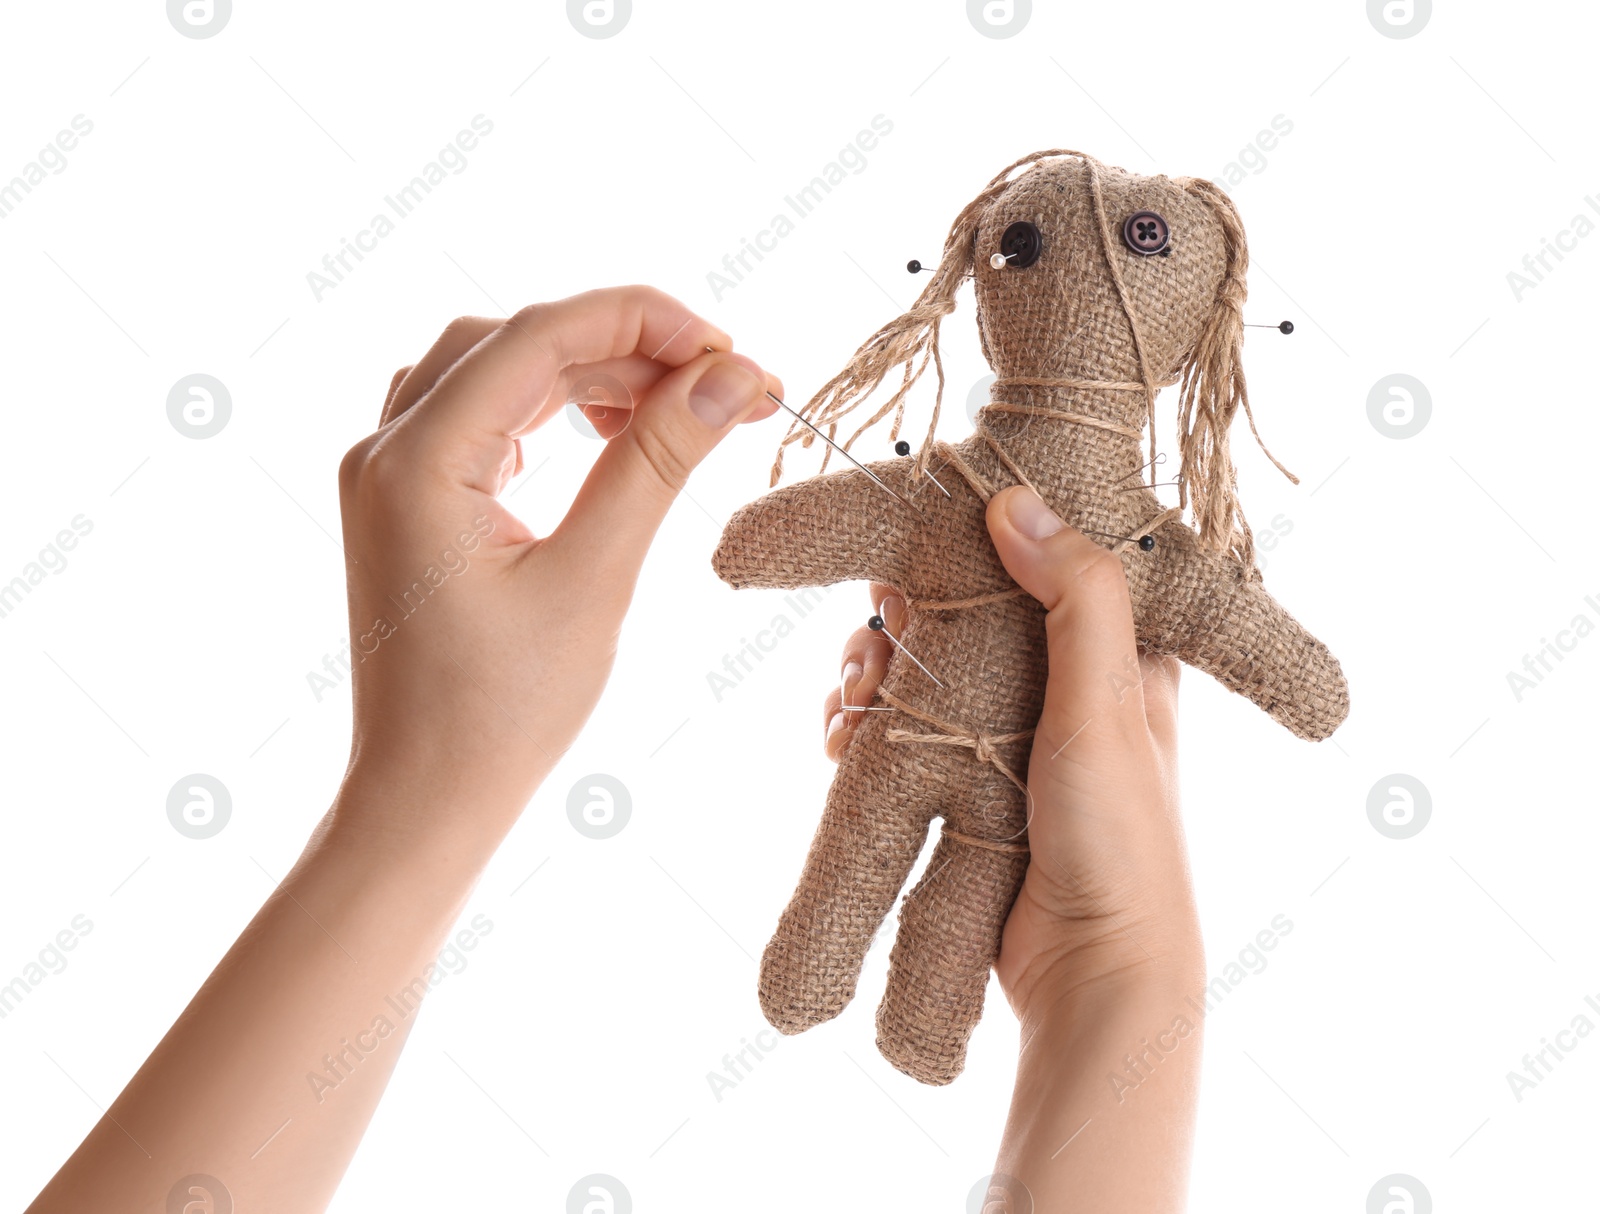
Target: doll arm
x,y
1261,651
834,528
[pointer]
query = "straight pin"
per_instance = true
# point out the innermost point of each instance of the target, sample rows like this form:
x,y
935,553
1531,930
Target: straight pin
x,y
1159,459
876,624
904,448
1146,543
805,422
846,706
1142,485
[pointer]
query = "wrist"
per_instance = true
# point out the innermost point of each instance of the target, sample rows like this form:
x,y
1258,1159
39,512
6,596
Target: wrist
x,y
1096,975
1127,992
1111,1072
422,812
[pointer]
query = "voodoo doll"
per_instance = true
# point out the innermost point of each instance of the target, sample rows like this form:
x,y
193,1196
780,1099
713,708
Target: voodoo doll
x,y
1095,288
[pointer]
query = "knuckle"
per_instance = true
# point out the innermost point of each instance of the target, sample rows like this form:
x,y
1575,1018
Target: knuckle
x,y
669,465
1099,575
530,316
351,465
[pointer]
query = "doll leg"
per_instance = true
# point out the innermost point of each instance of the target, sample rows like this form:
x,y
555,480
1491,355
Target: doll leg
x,y
951,923
949,936
872,829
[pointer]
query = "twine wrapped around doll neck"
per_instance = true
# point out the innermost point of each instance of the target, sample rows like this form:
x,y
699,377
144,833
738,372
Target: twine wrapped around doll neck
x,y
1213,378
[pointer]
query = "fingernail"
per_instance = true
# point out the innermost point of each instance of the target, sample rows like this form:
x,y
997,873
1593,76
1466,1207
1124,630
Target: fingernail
x,y
835,723
1029,515
892,605
724,392
849,676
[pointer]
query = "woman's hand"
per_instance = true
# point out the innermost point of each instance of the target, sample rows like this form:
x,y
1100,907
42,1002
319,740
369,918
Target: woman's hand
x,y
1102,953
1107,889
480,649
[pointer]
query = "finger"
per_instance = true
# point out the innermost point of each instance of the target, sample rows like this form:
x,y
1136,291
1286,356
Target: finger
x,y
388,399
457,339
607,391
861,670
505,389
639,474
888,604
1094,678
835,729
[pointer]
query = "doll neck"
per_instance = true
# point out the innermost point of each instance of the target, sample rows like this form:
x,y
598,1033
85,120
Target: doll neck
x,y
1115,406
1066,431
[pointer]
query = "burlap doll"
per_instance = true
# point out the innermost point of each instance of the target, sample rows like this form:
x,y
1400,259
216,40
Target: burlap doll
x,y
1095,288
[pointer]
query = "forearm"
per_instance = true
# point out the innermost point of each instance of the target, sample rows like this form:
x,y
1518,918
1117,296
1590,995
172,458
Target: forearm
x,y
1103,1112
268,1078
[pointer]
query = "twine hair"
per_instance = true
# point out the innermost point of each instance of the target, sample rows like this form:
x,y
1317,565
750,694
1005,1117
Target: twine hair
x,y
1213,382
910,340
1213,392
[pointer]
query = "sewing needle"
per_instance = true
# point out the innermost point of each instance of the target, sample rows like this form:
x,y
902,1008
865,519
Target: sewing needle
x,y
805,422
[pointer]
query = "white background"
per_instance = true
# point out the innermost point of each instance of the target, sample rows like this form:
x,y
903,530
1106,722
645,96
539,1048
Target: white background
x,y
1418,173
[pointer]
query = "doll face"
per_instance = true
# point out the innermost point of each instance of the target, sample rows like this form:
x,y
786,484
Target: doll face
x,y
1053,311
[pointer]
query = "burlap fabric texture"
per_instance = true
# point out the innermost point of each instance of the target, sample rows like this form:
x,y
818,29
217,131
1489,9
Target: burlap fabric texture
x,y
1081,341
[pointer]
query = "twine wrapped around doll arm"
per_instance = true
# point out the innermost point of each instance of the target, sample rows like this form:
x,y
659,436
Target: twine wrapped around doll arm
x,y
835,528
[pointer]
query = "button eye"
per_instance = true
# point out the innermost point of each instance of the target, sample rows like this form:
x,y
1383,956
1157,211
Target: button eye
x,y
1020,247
1146,233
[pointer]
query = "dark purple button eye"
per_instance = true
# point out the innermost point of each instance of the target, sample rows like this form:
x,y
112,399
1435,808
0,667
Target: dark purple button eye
x,y
1146,233
1020,246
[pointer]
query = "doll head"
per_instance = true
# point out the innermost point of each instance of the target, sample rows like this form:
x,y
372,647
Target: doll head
x,y
1090,252
1107,277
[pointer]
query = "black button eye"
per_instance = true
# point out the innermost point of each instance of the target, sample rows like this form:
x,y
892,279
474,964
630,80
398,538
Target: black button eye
x,y
1020,247
1146,233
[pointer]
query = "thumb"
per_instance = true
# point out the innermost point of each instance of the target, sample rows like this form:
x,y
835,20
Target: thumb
x,y
1094,682
627,493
